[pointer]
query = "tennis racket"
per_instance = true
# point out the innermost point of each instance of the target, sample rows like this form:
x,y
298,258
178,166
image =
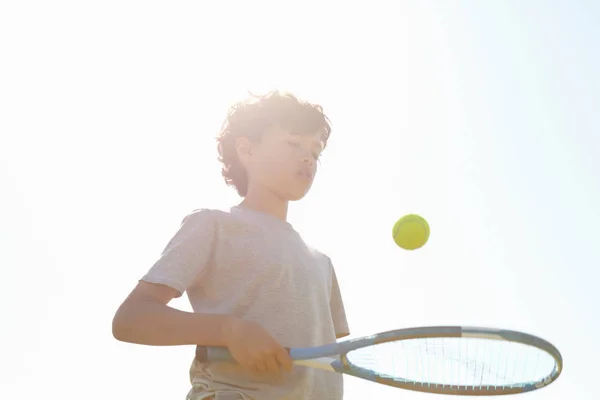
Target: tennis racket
x,y
456,360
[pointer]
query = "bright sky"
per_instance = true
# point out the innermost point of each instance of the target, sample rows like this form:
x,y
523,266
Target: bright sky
x,y
481,117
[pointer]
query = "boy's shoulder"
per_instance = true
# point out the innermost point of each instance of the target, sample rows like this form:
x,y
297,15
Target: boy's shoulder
x,y
318,253
225,221
207,215
201,213
215,215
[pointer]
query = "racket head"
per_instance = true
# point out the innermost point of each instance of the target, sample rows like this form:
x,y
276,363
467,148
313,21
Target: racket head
x,y
438,360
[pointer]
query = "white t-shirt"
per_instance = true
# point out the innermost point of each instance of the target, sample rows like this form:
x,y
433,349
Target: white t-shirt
x,y
257,267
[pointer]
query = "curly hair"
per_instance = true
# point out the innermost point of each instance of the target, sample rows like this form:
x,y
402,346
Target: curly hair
x,y
253,116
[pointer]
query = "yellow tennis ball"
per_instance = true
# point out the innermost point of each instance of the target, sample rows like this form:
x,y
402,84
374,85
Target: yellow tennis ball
x,y
411,232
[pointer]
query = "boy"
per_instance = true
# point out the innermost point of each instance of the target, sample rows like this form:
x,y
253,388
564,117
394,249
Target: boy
x,y
254,285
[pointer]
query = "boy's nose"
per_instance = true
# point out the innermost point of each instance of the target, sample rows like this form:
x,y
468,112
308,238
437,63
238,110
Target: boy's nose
x,y
307,160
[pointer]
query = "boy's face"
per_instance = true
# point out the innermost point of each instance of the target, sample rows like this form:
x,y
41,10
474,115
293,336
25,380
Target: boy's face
x,y
282,162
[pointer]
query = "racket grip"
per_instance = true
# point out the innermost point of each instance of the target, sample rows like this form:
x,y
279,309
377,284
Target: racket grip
x,y
217,354
209,354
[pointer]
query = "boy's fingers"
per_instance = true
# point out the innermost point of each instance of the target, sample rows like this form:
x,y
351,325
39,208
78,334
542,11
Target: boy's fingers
x,y
260,366
284,359
272,364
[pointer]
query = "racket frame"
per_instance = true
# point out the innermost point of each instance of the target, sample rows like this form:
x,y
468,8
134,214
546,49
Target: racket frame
x,y
332,357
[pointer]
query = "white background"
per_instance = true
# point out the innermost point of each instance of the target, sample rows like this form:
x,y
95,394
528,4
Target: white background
x,y
480,116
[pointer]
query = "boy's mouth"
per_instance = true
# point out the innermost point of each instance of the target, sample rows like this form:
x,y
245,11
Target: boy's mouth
x,y
305,174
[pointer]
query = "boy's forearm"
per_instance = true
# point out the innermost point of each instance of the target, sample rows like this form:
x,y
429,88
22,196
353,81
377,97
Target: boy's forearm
x,y
155,324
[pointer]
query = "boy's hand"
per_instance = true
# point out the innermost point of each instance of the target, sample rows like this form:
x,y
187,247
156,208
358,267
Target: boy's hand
x,y
255,349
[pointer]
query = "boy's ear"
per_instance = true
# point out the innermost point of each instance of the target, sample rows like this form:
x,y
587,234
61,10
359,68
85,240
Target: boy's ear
x,y
244,149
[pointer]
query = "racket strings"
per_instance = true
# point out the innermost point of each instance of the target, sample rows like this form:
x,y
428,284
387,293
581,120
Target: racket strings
x,y
478,364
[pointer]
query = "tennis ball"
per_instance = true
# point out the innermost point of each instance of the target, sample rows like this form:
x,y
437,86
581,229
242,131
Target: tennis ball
x,y
411,232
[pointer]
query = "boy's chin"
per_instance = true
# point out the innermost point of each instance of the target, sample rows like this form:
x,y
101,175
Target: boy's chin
x,y
294,192
295,196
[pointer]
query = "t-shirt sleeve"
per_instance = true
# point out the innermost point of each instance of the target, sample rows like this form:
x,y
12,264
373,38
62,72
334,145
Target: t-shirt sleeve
x,y
188,253
338,311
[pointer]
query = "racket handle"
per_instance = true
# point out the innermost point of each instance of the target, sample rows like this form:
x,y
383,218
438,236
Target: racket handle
x,y
209,354
218,354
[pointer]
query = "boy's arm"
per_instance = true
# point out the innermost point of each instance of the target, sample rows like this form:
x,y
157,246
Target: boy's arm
x,y
145,318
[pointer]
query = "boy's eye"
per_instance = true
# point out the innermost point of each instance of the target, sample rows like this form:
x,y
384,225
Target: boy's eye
x,y
316,155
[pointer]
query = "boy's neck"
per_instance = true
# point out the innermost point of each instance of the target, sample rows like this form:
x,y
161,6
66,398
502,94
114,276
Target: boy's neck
x,y
266,202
